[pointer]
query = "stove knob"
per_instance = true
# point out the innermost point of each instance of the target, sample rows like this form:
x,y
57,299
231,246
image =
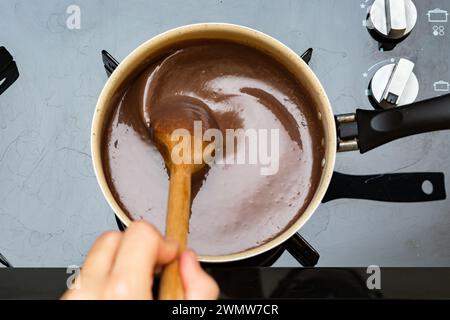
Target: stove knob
x,y
392,20
394,85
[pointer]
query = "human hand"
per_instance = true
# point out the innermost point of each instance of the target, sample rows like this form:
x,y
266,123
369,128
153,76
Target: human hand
x,y
122,266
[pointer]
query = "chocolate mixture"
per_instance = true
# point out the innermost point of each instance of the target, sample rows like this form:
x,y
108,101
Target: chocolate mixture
x,y
235,207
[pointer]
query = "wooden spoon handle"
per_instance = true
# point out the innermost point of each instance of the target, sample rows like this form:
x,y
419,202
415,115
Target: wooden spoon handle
x,y
177,227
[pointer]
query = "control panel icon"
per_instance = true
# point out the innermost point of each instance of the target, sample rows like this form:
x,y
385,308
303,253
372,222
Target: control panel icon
x,y
441,86
438,31
437,15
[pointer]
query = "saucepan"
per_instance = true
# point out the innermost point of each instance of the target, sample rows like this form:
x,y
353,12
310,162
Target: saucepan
x,y
363,130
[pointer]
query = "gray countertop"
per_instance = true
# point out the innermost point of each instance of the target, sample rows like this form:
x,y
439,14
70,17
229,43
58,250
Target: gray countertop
x,y
51,208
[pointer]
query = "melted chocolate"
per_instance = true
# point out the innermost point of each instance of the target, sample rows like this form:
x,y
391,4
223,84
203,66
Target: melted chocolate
x,y
235,207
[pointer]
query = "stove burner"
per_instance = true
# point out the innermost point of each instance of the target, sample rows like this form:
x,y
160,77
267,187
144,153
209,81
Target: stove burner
x,y
297,246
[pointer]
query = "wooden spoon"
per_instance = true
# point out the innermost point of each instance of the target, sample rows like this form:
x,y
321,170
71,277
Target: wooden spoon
x,y
178,112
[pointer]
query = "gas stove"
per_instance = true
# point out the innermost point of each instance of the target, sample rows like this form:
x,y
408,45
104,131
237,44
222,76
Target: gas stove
x,y
367,54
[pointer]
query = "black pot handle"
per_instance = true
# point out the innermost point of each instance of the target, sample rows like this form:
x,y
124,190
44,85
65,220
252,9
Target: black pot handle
x,y
368,129
380,127
394,187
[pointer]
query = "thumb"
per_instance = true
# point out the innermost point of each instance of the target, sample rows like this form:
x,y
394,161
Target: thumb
x,y
198,285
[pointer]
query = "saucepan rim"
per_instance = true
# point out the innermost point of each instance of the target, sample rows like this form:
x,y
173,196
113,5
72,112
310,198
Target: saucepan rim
x,y
243,35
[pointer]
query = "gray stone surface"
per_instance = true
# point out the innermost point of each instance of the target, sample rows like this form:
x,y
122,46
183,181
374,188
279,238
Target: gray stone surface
x,y
51,208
